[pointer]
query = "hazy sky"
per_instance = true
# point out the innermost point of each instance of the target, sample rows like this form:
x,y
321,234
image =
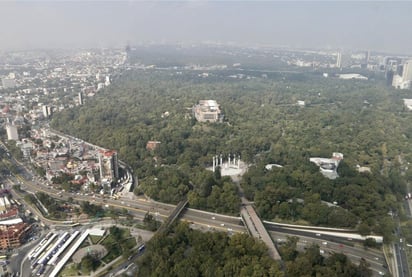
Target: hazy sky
x,y
371,25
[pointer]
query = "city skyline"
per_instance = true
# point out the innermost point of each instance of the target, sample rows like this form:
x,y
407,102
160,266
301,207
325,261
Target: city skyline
x,y
377,26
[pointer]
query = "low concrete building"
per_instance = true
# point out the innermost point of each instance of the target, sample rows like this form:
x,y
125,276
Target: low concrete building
x,y
399,83
408,103
328,166
352,76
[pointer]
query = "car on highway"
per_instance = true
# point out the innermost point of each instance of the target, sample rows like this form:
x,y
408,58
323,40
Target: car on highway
x,y
324,242
141,248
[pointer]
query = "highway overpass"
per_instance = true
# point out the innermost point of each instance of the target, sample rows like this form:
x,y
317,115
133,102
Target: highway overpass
x,y
256,229
173,216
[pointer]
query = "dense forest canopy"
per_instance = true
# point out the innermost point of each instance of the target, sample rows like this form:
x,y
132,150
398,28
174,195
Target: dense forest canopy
x,y
364,120
187,252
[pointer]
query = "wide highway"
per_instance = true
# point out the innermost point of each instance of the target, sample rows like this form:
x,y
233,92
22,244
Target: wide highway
x,y
354,251
212,221
139,206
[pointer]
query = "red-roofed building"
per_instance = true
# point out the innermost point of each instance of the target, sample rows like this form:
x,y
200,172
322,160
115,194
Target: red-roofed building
x,y
11,213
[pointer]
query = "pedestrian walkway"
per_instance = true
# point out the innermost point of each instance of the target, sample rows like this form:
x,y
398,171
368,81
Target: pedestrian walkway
x,y
257,229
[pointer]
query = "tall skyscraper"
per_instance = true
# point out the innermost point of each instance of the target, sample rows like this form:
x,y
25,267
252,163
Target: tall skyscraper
x,y
339,60
12,132
49,111
109,165
107,81
407,71
80,98
367,57
389,77
45,111
403,80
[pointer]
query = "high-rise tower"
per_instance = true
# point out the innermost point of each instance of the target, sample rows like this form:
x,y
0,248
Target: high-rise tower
x,y
339,60
80,98
109,165
407,71
12,133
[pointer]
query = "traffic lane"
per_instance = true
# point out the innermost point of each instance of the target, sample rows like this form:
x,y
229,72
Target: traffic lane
x,y
35,211
409,205
103,201
145,206
370,252
140,207
127,264
135,206
26,268
162,209
195,216
41,186
404,258
358,253
152,206
311,233
135,211
213,216
402,262
140,213
132,208
142,200
214,223
23,259
354,254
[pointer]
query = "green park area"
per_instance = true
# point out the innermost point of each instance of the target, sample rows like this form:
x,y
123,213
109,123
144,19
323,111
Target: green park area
x,y
96,252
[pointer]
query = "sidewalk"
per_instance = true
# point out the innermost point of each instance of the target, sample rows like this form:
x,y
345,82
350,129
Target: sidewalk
x,y
103,269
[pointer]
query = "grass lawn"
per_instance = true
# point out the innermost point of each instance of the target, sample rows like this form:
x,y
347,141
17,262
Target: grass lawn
x,y
69,270
115,244
95,239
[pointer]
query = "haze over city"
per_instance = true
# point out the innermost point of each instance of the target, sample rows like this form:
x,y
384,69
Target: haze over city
x,y
378,26
190,138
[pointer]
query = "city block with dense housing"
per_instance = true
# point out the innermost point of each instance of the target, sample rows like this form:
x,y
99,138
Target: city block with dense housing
x,y
91,168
